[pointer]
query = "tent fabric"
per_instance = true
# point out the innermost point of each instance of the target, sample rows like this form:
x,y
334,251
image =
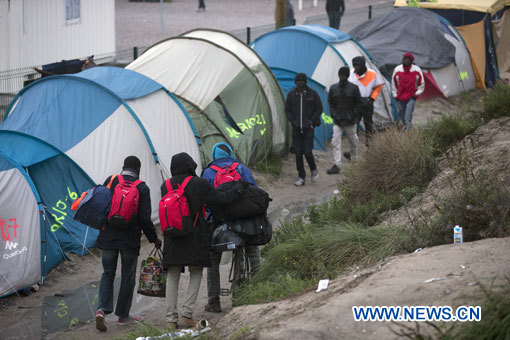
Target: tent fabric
x,y
486,6
319,52
217,88
98,129
502,40
475,41
265,77
432,51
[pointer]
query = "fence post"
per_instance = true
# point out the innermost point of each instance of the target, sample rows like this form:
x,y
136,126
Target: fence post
x,y
248,35
369,12
135,53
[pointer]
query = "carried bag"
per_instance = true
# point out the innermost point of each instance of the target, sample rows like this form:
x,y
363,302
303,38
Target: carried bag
x,y
152,275
93,206
125,201
225,174
253,202
174,214
224,239
255,231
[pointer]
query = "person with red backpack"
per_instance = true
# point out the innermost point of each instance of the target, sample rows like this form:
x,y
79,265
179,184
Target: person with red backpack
x,y
225,167
191,249
130,214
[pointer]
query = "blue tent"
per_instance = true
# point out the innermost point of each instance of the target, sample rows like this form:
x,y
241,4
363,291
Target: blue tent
x,y
319,52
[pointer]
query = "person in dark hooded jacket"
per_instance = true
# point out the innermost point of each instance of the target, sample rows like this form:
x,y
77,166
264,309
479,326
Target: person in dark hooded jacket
x,y
191,250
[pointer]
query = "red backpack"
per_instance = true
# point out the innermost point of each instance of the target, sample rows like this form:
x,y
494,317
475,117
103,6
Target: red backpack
x,y
226,174
125,201
174,215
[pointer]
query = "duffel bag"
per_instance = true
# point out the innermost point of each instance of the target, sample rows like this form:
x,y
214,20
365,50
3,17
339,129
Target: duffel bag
x,y
253,202
255,231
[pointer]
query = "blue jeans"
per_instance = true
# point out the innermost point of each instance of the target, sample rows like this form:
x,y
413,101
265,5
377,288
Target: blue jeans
x,y
405,112
303,145
128,261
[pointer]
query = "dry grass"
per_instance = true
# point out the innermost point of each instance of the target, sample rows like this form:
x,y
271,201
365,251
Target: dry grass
x,y
395,160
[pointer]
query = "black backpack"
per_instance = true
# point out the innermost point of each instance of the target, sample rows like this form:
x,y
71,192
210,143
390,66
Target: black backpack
x,y
255,231
253,202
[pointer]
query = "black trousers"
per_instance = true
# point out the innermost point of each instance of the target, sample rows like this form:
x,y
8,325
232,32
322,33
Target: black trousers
x,y
201,4
303,146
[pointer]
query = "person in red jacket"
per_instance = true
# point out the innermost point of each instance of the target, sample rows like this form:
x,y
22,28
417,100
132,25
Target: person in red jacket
x,y
407,83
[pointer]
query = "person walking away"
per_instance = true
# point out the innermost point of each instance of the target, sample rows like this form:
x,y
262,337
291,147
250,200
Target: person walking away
x,y
303,108
191,250
344,104
370,86
223,157
335,10
201,6
126,241
407,84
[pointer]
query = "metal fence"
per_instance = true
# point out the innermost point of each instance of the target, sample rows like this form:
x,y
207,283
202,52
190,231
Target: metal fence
x,y
11,81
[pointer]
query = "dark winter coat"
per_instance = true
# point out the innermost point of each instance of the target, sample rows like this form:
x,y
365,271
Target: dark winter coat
x,y
335,5
310,115
344,104
110,238
193,249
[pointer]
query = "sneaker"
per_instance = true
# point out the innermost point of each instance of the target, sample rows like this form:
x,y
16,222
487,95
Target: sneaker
x,y
333,170
347,155
129,320
186,322
300,182
171,325
315,175
100,324
213,307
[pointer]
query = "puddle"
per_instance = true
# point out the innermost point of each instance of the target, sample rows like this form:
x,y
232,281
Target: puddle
x,y
70,309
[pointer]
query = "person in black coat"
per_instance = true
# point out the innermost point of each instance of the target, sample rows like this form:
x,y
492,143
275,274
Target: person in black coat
x,y
191,250
344,104
125,242
303,108
335,10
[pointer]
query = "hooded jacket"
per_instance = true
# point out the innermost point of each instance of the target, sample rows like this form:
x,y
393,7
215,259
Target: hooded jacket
x,y
129,239
193,249
407,82
303,112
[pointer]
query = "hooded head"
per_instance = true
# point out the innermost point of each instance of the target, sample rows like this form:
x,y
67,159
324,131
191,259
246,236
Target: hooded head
x,y
183,164
221,150
359,65
132,163
410,58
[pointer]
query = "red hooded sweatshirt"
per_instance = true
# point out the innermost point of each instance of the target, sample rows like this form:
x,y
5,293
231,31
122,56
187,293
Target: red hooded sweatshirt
x,y
407,82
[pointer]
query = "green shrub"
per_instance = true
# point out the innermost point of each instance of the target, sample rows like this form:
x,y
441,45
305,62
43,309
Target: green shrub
x,y
271,165
497,102
449,130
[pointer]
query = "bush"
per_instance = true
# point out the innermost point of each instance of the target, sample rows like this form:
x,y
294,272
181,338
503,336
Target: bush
x,y
497,102
271,165
449,130
394,161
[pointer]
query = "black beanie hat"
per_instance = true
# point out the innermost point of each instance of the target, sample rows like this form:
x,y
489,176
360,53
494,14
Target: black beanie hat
x,y
360,60
344,70
132,162
300,76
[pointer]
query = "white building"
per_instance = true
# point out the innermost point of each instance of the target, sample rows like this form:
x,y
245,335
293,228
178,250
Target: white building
x,y
38,32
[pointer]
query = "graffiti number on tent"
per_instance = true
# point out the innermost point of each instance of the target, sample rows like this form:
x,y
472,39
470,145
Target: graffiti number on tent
x,y
58,210
4,227
248,123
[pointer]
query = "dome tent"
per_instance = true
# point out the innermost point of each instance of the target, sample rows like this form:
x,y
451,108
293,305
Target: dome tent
x,y
100,116
319,52
265,77
222,94
38,184
436,45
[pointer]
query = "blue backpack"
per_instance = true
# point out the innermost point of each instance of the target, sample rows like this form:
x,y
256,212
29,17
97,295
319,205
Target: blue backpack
x,y
93,206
